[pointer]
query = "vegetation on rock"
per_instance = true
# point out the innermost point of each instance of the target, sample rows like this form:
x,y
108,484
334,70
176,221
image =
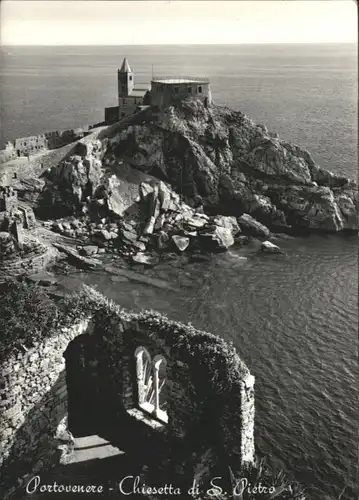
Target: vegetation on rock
x,y
27,315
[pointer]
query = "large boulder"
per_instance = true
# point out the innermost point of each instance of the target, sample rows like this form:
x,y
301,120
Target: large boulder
x,y
113,198
219,239
251,226
227,222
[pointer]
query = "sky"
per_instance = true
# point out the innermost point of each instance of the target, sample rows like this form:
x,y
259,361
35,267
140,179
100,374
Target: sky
x,y
49,22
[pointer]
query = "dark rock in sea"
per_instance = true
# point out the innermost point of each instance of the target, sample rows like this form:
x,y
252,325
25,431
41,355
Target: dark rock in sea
x,y
242,240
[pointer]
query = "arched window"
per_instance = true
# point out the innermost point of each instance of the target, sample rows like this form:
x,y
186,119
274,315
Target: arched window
x,y
159,381
151,378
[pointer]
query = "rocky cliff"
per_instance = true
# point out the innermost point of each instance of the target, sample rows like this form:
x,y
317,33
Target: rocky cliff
x,y
213,157
222,159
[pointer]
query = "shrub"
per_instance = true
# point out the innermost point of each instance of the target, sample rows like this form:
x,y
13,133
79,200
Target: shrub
x,y
27,315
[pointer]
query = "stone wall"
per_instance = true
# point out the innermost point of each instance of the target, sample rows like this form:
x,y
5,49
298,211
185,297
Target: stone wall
x,y
112,114
128,105
164,94
60,138
33,404
207,396
30,145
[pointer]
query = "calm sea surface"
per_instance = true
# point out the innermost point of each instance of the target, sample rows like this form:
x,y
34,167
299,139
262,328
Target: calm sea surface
x,y
293,318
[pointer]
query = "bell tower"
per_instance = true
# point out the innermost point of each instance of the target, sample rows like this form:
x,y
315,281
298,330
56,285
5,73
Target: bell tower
x,y
125,79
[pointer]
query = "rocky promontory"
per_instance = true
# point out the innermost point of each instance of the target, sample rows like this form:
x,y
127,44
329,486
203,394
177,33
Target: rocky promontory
x,y
233,166
188,180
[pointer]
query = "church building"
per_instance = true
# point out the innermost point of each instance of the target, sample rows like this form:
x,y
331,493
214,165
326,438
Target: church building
x,y
163,92
130,96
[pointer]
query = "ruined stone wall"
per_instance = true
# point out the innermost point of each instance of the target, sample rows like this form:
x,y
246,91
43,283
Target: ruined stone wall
x,y
33,403
30,145
209,396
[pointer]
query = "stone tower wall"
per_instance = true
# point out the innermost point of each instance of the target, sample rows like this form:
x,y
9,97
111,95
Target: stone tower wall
x,y
126,82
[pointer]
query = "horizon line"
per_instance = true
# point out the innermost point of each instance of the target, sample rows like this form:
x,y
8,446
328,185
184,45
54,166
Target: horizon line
x,y
347,42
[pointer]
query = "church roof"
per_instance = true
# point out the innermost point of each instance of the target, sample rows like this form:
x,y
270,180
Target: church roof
x,y
125,68
138,92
